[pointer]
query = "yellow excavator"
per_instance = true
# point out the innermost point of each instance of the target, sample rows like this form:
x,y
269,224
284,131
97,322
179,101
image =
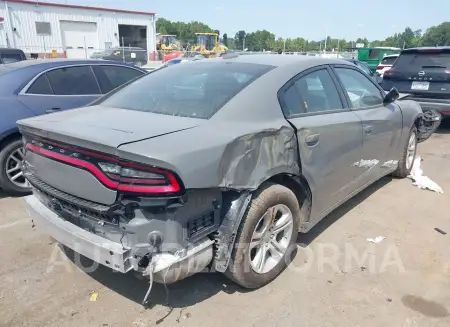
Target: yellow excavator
x,y
167,42
208,44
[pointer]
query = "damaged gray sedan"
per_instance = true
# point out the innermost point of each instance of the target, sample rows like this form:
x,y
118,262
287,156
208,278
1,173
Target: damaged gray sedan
x,y
215,165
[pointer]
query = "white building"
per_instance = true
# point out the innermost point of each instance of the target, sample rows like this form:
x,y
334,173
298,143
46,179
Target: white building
x,y
73,31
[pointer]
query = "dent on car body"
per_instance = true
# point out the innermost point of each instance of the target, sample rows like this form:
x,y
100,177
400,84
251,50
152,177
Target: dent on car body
x,y
251,159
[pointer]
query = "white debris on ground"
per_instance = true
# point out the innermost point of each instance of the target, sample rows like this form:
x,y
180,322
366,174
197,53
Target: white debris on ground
x,y
421,181
376,240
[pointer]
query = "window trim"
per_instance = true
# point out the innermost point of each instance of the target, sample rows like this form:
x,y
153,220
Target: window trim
x,y
342,97
24,90
378,87
49,84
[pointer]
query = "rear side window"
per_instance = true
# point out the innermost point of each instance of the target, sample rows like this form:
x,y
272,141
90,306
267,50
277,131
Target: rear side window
x,y
196,90
41,86
419,60
111,77
388,60
73,81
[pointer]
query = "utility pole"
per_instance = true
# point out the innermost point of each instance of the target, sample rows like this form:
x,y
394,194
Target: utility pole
x,y
326,37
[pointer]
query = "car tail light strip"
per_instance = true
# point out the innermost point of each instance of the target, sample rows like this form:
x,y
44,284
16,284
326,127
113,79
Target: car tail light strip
x,y
138,178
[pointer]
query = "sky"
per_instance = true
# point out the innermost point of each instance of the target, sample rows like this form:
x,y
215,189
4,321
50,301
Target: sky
x,y
311,19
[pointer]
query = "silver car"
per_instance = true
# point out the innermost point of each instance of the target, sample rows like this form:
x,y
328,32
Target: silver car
x,y
216,164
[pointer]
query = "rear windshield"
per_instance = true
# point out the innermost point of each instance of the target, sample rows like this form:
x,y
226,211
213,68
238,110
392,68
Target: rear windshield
x,y
423,60
11,56
196,89
388,60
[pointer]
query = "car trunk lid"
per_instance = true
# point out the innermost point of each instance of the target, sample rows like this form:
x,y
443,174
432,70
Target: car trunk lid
x,y
64,149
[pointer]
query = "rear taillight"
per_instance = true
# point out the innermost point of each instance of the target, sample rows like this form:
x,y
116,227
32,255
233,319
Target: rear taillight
x,y
133,177
125,176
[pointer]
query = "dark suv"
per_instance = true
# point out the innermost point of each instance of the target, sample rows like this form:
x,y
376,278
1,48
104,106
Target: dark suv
x,y
8,55
424,74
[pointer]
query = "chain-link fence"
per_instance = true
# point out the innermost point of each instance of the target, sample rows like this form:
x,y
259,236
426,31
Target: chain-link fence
x,y
141,57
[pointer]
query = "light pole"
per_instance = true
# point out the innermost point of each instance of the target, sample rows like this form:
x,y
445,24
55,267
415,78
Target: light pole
x,y
243,42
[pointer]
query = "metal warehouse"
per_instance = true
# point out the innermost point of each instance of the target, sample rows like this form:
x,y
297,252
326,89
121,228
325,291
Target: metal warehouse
x,y
61,30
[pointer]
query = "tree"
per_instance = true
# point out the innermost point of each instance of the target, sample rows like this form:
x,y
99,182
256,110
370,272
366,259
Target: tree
x,y
437,35
239,39
225,39
265,40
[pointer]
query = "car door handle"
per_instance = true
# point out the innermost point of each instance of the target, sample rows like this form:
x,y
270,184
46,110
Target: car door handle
x,y
49,111
312,140
367,129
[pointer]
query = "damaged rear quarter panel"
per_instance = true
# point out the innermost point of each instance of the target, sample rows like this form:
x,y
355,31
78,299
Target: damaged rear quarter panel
x,y
238,157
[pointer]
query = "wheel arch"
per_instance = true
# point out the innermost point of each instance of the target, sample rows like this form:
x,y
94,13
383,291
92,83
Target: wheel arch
x,y
299,186
11,135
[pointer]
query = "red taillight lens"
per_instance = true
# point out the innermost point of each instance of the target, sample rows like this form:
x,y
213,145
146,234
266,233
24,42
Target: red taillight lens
x,y
141,179
114,173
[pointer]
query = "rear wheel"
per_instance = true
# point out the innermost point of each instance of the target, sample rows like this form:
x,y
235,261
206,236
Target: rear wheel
x,y
12,179
408,155
265,238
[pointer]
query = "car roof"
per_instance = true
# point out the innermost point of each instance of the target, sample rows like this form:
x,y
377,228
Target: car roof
x,y
425,48
278,60
50,63
10,50
392,55
17,73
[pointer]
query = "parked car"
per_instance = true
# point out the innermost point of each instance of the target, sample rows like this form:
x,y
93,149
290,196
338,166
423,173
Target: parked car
x,y
181,59
218,163
130,55
423,73
8,55
386,64
36,87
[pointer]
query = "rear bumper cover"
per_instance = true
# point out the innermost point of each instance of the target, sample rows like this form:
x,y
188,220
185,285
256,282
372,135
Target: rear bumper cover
x,y
92,246
166,267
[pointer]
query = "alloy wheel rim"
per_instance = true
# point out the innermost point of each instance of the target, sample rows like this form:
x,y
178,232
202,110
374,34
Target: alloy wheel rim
x,y
411,151
13,168
271,238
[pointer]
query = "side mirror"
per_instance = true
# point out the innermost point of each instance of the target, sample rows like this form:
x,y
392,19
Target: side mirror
x,y
391,96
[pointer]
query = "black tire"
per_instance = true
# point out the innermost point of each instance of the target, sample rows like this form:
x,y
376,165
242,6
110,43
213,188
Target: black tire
x,y
239,269
5,183
403,170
